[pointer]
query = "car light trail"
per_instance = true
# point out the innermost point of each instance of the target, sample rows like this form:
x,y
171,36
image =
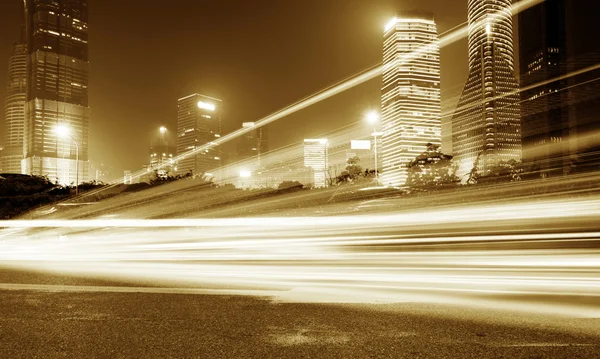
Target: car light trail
x,y
453,255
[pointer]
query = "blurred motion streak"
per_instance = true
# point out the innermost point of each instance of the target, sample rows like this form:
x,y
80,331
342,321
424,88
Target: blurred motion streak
x,y
539,255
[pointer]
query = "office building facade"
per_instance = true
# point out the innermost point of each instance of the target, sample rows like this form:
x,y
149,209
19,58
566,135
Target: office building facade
x,y
316,157
560,91
543,58
253,144
486,126
410,99
14,111
161,155
57,89
198,126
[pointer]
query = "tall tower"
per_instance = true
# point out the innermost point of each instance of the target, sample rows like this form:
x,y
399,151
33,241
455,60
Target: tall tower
x,y
253,144
410,97
57,89
198,124
14,110
486,126
161,154
544,111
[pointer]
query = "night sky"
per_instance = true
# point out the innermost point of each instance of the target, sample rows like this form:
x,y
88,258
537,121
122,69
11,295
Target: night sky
x,y
257,56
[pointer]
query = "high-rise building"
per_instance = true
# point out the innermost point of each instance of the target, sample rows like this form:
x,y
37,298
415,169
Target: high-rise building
x,y
561,96
14,110
543,57
316,157
198,124
410,98
253,144
161,156
486,126
57,90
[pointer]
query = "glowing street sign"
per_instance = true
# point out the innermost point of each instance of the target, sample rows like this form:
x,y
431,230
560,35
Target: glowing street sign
x,y
360,144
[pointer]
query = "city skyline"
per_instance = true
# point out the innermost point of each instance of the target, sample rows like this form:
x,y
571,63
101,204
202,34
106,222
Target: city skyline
x,y
123,103
505,53
280,178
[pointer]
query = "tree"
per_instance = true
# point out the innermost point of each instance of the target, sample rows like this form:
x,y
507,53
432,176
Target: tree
x,y
503,171
431,168
290,186
352,172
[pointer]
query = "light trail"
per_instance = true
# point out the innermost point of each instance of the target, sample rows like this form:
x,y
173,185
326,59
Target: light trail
x,y
455,255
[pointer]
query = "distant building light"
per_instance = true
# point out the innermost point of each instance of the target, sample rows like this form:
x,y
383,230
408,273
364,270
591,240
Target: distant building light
x,y
206,106
360,144
245,174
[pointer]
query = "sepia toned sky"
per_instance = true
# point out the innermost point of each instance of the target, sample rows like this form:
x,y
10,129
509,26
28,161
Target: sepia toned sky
x,y
257,56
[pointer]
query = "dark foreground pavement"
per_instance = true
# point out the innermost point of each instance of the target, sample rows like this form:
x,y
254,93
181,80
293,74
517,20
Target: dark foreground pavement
x,y
46,324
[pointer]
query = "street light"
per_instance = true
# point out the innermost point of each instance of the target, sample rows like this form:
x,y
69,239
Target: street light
x,y
373,119
63,132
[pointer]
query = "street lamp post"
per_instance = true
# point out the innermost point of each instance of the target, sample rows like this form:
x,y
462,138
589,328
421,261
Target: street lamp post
x,y
63,131
373,119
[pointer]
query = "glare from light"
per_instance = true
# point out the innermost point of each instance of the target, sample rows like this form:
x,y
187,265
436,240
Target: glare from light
x,y
163,130
206,106
62,131
372,117
245,174
391,24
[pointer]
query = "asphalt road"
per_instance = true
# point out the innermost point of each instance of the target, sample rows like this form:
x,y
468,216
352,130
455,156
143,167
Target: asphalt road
x,y
48,324
57,316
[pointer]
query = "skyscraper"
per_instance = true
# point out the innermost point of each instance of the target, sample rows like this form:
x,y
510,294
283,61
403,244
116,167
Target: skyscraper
x,y
198,124
316,157
14,110
410,96
543,57
253,143
561,97
161,154
486,126
57,89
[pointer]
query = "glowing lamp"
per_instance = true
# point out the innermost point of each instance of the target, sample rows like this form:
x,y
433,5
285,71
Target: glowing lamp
x,y
372,117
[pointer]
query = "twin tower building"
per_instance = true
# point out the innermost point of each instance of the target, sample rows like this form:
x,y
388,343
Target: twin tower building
x,y
486,123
